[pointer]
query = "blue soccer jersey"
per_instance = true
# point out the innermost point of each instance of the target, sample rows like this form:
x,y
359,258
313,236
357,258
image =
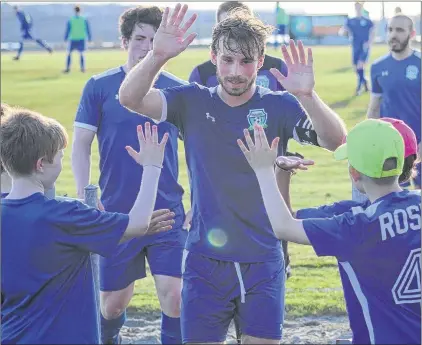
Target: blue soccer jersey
x,y
229,218
25,20
206,74
359,29
46,274
398,82
379,251
120,176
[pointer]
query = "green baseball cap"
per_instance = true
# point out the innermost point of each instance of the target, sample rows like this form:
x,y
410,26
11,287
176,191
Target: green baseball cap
x,y
369,144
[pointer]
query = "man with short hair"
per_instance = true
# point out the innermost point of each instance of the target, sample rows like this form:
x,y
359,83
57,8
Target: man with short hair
x,y
77,32
101,114
233,264
396,80
26,24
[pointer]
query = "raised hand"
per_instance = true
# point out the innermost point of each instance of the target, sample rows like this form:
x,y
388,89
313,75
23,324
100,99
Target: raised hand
x,y
151,152
168,41
292,163
161,220
300,79
259,154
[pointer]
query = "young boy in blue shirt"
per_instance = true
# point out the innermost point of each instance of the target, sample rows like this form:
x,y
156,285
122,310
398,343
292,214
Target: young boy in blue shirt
x,y
47,274
378,247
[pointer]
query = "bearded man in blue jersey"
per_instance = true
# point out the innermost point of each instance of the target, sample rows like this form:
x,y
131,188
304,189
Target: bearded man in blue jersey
x,y
101,114
233,264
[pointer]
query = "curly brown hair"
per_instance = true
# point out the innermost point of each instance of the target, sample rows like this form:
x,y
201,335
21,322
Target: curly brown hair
x,y
151,15
242,33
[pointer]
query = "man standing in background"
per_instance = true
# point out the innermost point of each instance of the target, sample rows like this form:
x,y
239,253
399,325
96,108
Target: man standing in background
x,y
361,30
77,32
26,23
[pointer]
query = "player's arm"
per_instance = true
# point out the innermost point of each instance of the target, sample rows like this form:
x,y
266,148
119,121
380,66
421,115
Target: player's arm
x,y
88,30
81,158
327,124
136,92
374,108
86,123
67,32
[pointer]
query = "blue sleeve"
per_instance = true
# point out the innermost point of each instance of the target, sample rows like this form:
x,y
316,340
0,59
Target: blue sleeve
x,y
347,24
90,106
88,228
195,77
66,35
376,88
297,124
327,211
370,24
338,236
284,71
175,104
88,29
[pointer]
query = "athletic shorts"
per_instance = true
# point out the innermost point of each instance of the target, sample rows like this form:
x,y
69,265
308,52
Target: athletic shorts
x,y
214,292
163,251
77,45
26,35
359,54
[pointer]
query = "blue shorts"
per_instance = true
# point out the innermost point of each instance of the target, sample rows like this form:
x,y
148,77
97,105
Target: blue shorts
x,y
163,251
77,45
26,35
212,296
359,54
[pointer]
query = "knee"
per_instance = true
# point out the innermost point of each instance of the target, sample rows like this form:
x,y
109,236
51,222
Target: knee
x,y
112,305
170,298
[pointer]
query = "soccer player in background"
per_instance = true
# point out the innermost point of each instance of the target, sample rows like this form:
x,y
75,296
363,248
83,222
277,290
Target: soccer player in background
x,y
396,80
361,31
101,114
206,74
233,264
26,24
378,247
77,32
46,268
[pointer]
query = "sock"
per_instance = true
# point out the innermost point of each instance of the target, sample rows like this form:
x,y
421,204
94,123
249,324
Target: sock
x,y
170,330
68,61
110,329
20,50
361,79
82,62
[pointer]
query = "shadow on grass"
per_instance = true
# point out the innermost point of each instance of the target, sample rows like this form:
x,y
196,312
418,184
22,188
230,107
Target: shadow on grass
x,y
342,104
343,69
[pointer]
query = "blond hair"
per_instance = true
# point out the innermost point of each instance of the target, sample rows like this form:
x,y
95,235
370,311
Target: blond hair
x,y
27,136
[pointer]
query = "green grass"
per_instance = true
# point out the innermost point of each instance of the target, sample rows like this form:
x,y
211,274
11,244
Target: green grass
x,y
36,82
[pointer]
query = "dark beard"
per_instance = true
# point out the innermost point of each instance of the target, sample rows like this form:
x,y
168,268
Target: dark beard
x,y
402,46
239,92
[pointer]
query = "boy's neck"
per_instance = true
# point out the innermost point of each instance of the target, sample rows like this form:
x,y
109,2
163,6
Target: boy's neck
x,y
374,192
22,187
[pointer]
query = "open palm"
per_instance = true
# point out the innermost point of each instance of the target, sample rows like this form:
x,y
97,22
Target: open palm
x,y
169,40
300,79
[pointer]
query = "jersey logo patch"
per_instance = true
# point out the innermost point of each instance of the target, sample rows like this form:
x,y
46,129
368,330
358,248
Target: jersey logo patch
x,y
262,80
258,116
412,72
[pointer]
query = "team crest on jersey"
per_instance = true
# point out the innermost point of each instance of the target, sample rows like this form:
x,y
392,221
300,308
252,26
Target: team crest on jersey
x,y
262,80
362,22
412,72
258,116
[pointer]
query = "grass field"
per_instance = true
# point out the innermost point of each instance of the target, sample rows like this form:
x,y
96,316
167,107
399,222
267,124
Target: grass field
x,y
36,82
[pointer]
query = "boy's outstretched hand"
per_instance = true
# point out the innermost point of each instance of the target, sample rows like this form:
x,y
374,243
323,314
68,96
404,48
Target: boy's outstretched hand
x,y
258,152
151,152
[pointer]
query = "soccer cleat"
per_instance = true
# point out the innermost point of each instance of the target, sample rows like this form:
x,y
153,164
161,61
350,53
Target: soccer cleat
x,y
66,71
16,58
115,340
288,272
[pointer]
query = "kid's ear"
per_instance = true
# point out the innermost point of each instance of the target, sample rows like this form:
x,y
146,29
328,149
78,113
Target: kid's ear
x,y
354,173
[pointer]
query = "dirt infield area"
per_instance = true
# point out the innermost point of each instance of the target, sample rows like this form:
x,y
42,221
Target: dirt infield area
x,y
144,328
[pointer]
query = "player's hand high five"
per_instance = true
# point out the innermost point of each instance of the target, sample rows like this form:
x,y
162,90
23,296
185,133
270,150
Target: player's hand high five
x,y
300,79
168,41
